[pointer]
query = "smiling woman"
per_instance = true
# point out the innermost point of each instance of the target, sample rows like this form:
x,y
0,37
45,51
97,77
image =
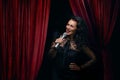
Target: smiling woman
x,y
73,55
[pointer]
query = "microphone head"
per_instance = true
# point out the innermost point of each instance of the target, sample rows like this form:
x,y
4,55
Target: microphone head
x,y
64,34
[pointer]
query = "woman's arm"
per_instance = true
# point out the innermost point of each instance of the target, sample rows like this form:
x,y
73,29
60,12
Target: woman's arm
x,y
90,53
52,51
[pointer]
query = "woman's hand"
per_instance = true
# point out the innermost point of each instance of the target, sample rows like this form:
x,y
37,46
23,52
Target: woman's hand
x,y
74,66
59,40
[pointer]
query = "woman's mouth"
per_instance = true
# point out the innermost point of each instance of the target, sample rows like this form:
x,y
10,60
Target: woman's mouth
x,y
67,30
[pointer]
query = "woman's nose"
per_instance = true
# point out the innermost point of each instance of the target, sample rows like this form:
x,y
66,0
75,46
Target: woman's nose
x,y
67,26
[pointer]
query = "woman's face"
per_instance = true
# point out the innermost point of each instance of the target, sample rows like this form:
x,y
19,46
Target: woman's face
x,y
71,27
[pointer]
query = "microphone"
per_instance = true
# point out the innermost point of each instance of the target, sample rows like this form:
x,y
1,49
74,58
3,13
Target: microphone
x,y
63,36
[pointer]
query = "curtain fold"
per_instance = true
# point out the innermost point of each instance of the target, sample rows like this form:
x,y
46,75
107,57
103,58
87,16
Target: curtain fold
x,y
23,30
100,16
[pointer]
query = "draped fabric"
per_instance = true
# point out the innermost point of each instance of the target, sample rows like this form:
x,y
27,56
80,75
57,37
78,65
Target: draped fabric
x,y
100,16
23,29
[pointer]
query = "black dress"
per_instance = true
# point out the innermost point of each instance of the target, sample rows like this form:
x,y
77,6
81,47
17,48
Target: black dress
x,y
65,56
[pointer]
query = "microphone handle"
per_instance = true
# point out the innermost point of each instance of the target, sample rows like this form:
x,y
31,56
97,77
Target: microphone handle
x,y
62,38
56,45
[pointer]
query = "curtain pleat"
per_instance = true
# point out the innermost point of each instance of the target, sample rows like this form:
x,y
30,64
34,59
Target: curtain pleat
x,y
23,30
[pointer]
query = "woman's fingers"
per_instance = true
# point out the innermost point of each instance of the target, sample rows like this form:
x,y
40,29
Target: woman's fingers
x,y
59,40
74,66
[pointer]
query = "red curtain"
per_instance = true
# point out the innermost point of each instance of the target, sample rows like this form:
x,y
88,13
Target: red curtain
x,y
100,16
23,29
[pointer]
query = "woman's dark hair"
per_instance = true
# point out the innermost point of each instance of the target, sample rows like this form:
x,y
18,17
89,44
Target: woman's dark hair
x,y
81,35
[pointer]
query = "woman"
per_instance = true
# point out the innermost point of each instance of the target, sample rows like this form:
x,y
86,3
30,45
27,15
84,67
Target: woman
x,y
72,54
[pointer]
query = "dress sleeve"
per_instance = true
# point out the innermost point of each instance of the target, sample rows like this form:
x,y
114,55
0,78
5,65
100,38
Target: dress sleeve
x,y
52,51
91,55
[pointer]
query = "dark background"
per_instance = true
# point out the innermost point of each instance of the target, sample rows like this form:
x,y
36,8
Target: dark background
x,y
59,15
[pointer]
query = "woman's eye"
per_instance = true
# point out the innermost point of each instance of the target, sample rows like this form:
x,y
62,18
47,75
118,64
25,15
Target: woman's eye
x,y
67,24
70,25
